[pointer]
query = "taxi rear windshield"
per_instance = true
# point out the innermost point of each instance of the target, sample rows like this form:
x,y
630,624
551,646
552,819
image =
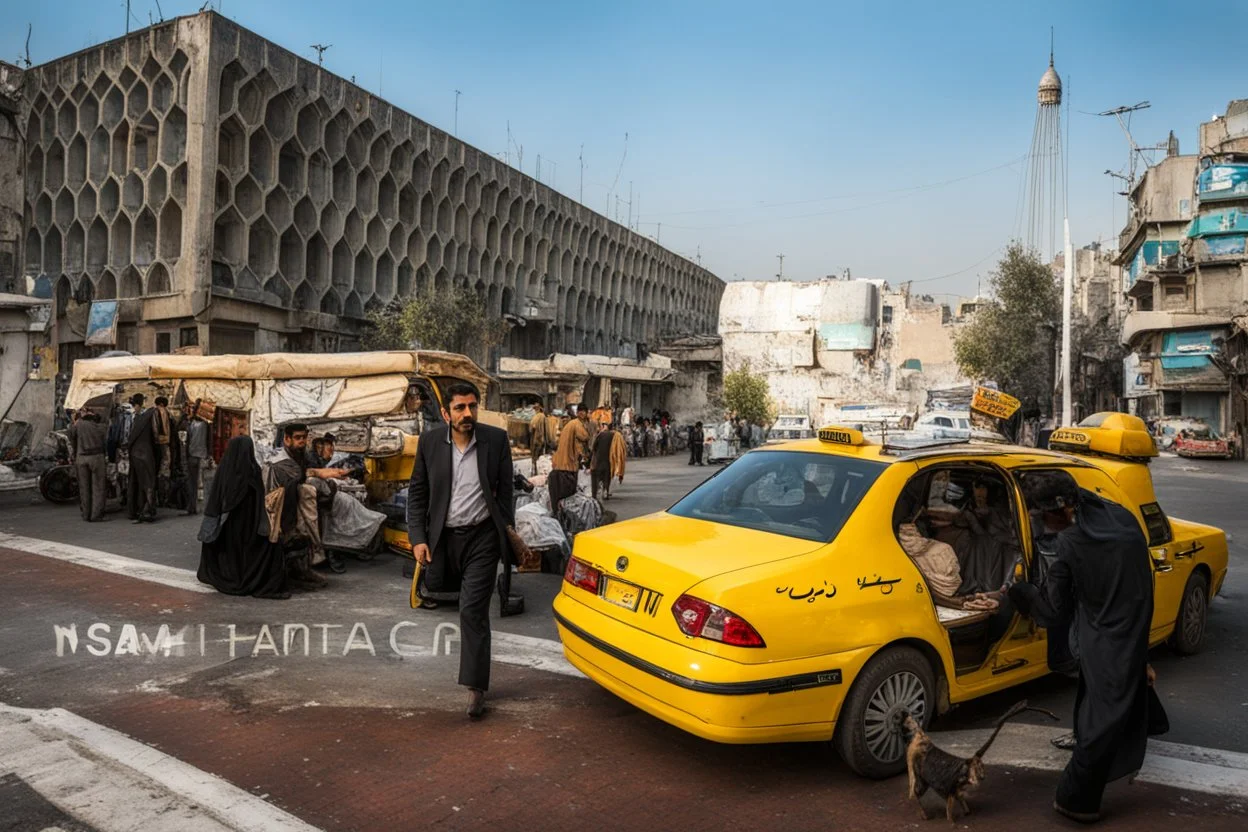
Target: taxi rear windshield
x,y
793,493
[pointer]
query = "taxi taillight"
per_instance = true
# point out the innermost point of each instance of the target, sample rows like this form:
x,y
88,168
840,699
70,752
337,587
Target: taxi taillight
x,y
581,574
702,619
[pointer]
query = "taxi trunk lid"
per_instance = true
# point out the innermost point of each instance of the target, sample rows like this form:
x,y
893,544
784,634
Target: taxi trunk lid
x,y
648,563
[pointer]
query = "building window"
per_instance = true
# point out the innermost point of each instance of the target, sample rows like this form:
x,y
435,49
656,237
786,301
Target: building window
x,y
189,336
887,315
164,342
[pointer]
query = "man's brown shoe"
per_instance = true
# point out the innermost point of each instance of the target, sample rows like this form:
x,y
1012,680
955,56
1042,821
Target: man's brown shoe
x,y
476,703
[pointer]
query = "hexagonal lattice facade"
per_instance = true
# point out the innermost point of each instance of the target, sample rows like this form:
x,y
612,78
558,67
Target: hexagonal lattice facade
x,y
106,135
303,192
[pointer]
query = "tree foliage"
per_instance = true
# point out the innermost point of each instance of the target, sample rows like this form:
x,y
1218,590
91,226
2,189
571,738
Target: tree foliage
x,y
746,394
454,321
1011,338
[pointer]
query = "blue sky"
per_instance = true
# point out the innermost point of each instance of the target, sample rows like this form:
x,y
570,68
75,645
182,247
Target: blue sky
x,y
802,129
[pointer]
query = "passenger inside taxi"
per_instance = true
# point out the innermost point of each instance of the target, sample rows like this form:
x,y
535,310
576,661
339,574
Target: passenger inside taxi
x,y
965,546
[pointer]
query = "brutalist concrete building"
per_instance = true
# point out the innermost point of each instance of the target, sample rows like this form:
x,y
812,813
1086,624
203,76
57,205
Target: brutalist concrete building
x,y
236,197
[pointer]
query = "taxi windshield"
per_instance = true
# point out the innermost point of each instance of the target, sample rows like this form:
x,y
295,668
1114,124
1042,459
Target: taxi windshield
x,y
793,493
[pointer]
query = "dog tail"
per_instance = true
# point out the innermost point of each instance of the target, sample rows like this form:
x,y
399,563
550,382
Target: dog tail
x,y
1014,711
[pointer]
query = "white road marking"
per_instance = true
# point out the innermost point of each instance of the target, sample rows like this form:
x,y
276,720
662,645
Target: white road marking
x,y
1188,767
509,648
112,782
1027,746
528,651
107,562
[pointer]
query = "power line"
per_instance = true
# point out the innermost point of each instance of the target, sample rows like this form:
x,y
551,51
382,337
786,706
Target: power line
x,y
990,255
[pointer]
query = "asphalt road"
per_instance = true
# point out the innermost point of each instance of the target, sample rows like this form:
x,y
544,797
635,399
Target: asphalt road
x,y
356,739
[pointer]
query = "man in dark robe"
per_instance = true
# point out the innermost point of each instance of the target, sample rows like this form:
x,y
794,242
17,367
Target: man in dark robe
x,y
697,437
307,486
600,462
237,556
1102,579
144,461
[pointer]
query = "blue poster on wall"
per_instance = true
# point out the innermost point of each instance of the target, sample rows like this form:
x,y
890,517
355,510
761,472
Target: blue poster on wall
x,y
102,324
1222,182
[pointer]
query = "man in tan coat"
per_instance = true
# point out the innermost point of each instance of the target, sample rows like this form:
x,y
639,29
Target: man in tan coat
x,y
573,449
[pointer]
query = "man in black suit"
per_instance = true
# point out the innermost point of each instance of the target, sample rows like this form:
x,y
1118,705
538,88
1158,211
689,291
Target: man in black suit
x,y
459,505
144,463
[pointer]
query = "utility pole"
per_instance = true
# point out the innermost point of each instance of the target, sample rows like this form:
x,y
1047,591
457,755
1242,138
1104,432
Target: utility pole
x,y
580,197
456,130
127,17
630,203
658,234
780,276
320,52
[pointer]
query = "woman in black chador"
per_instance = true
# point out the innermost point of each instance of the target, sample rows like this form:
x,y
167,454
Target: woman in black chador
x,y
1102,581
237,557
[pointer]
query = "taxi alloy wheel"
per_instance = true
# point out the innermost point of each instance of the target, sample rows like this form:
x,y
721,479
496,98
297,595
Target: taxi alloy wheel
x,y
1189,630
869,734
900,694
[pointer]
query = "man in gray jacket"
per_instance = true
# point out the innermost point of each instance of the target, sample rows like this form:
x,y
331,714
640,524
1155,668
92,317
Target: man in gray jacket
x,y
87,436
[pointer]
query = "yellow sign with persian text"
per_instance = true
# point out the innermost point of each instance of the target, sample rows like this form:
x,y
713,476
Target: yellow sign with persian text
x,y
994,403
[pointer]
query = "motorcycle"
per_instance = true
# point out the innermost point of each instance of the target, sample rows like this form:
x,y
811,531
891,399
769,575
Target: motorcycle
x,y
59,483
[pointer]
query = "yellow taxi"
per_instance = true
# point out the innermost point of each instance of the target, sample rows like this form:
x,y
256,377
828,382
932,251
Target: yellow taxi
x,y
777,602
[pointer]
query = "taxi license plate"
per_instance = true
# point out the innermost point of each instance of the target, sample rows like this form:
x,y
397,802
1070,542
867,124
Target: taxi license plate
x,y
622,594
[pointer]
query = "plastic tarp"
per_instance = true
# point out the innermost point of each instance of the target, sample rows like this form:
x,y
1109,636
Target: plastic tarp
x,y
234,395
276,365
302,398
538,529
368,396
351,525
81,392
579,513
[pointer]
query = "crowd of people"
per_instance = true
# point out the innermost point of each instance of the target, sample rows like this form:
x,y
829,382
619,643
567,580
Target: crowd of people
x,y
261,547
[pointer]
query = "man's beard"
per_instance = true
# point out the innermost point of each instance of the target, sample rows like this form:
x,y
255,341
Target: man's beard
x,y
465,425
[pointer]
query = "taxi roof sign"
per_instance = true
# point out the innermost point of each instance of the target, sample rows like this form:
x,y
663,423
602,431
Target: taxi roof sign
x,y
1107,434
841,436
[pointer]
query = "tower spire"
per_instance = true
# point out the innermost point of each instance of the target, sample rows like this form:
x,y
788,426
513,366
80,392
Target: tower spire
x,y
1050,46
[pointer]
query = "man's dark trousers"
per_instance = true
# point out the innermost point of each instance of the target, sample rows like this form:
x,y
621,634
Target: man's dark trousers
x,y
142,488
468,556
192,483
91,486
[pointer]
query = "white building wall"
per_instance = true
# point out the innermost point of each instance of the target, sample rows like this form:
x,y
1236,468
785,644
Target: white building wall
x,y
825,344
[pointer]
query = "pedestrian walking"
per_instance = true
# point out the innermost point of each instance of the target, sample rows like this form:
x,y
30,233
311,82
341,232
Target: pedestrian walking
x,y
606,461
87,438
697,436
572,451
237,555
197,456
144,462
1102,581
459,505
537,436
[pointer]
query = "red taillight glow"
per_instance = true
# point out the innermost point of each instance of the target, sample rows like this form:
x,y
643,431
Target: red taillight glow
x,y
702,619
579,573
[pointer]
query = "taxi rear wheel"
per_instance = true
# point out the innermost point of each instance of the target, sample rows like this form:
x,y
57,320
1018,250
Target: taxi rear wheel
x,y
869,734
1189,630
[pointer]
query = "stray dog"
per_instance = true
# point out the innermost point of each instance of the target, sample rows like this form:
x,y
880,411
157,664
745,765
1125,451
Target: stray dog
x,y
949,776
